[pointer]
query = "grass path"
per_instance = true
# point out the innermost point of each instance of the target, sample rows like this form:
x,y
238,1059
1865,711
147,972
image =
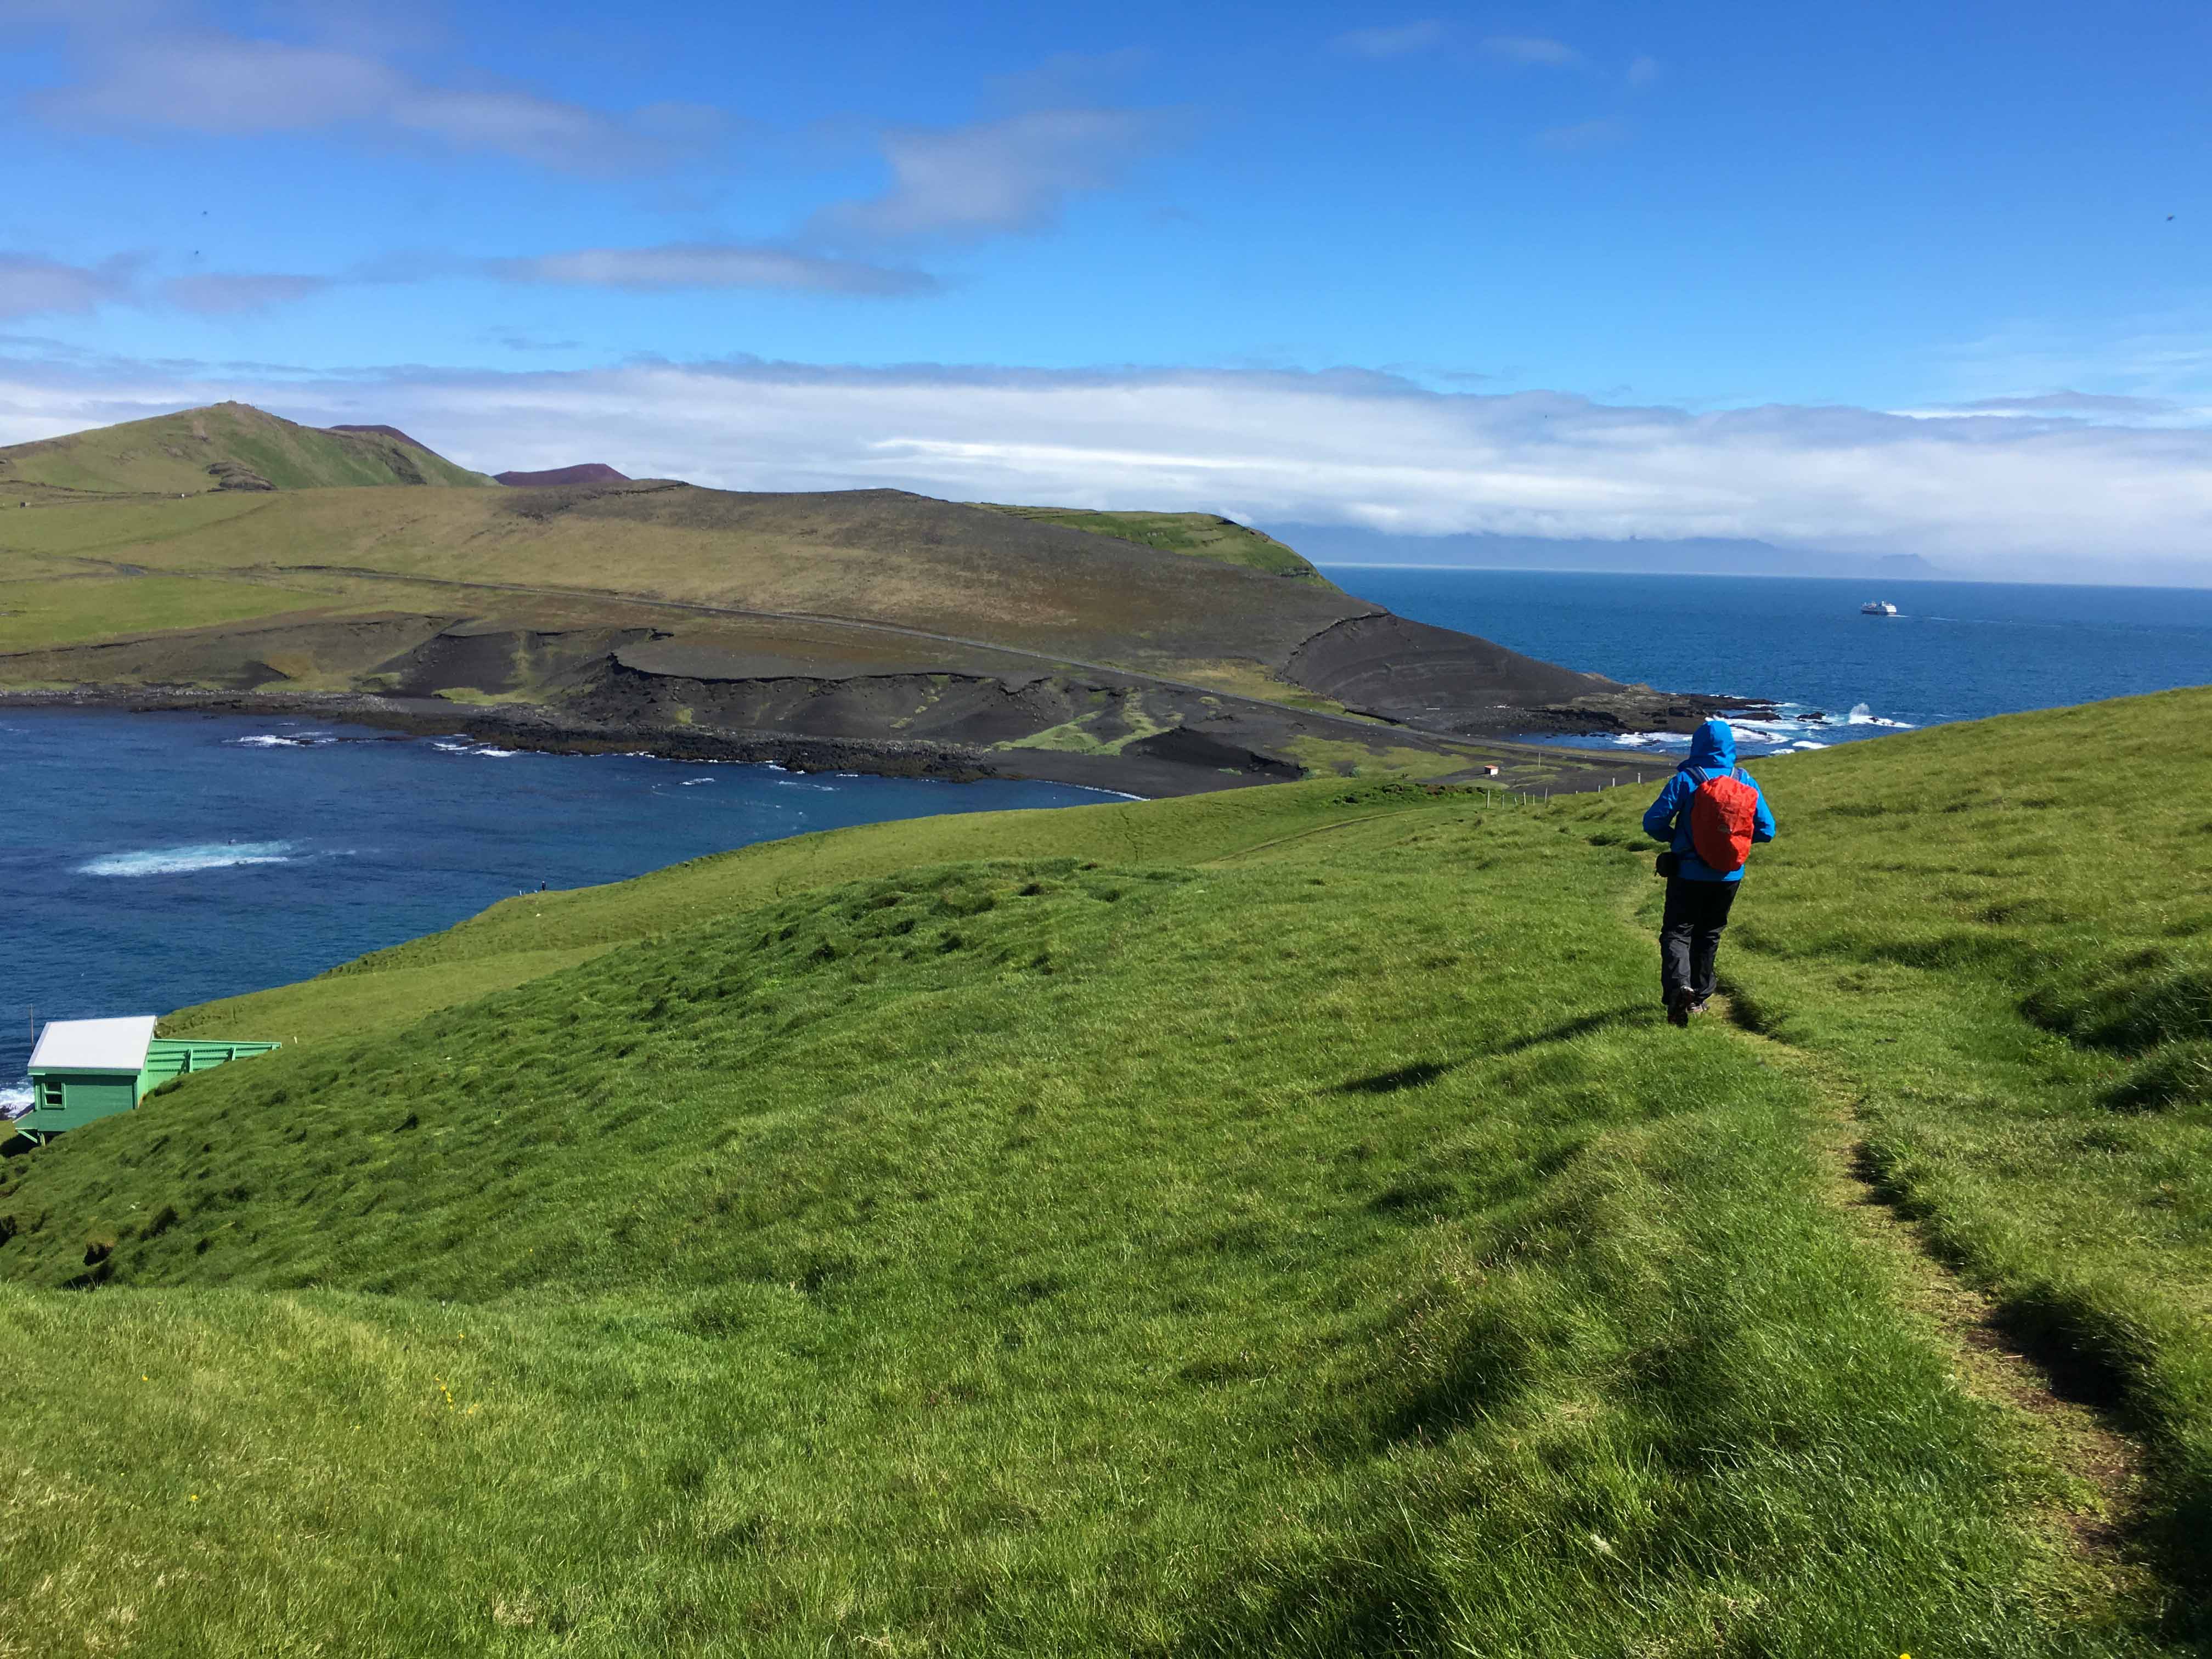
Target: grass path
x,y
2066,1415
2062,1414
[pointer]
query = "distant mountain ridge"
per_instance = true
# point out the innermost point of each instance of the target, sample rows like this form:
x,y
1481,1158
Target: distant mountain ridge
x,y
222,446
584,472
1711,556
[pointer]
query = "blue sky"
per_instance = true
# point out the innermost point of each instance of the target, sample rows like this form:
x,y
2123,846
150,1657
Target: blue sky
x,y
1885,277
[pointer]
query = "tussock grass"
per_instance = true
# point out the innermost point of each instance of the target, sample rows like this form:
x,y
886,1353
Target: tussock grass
x,y
1277,1222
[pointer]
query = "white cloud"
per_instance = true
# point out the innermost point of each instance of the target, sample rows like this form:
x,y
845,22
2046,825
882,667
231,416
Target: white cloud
x,y
2084,405
33,286
219,83
209,82
238,293
1395,41
707,265
1013,174
1533,49
2161,354
2011,495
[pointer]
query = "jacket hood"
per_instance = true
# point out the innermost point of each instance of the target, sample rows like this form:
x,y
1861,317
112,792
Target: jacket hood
x,y
1713,749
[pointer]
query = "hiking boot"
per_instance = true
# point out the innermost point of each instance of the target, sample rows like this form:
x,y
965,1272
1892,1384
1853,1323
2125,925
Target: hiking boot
x,y
1678,1007
1698,1004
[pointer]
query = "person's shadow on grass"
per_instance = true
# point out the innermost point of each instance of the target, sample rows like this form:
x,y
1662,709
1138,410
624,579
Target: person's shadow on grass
x,y
1428,1071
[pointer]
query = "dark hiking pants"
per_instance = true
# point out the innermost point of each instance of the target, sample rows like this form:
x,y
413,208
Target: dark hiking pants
x,y
1690,934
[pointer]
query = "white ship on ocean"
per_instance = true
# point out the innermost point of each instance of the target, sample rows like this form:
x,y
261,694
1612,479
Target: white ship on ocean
x,y
1877,608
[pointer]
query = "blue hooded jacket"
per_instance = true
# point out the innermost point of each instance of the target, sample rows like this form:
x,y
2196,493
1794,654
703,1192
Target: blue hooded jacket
x,y
1712,751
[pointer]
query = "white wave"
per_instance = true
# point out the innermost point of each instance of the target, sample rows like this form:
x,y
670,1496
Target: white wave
x,y
685,783
283,740
15,1102
1862,715
463,746
1805,743
183,860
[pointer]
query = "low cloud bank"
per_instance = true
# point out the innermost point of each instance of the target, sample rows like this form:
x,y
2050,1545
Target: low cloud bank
x,y
2017,494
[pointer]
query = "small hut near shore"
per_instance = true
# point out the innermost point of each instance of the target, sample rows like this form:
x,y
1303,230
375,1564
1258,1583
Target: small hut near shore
x,y
84,1069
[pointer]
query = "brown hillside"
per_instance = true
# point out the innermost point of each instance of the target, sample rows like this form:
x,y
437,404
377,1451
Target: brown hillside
x,y
582,473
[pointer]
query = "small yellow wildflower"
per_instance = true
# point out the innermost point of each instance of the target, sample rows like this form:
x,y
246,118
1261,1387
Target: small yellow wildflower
x,y
194,1498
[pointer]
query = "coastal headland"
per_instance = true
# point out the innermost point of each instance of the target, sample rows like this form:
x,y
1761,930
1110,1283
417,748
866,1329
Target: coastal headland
x,y
225,558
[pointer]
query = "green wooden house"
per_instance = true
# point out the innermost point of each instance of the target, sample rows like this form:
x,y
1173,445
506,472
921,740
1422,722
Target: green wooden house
x,y
87,1068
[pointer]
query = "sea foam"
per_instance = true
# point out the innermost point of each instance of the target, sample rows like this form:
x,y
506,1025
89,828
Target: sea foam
x,y
15,1102
1792,726
184,860
283,740
484,749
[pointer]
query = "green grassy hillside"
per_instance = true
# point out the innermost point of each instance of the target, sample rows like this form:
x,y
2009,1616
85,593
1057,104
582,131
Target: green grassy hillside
x,y
1276,1222
1202,535
225,446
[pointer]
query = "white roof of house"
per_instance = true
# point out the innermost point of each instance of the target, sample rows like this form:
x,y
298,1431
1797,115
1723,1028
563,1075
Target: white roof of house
x,y
95,1045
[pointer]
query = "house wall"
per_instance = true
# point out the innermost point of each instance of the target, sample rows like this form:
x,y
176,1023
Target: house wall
x,y
65,1100
168,1057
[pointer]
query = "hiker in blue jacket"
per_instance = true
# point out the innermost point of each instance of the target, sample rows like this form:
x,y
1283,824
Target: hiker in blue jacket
x,y
1699,894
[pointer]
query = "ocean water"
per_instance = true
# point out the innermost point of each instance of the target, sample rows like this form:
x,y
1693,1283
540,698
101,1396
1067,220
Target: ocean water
x,y
1957,651
150,861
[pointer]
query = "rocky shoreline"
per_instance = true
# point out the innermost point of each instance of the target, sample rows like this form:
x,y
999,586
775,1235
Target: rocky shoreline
x,y
1177,763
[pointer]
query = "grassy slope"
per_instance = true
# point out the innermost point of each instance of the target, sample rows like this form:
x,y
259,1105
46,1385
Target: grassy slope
x,y
36,614
675,543
1202,535
2000,936
171,454
1274,1221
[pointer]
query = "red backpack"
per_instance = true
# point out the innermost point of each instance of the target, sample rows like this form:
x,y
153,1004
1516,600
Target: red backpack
x,y
1722,812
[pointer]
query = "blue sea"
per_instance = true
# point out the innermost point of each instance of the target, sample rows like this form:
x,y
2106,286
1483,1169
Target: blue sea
x,y
150,861
1956,651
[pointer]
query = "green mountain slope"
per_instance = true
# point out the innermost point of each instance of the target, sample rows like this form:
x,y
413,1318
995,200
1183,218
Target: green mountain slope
x,y
1259,1223
229,446
1201,535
